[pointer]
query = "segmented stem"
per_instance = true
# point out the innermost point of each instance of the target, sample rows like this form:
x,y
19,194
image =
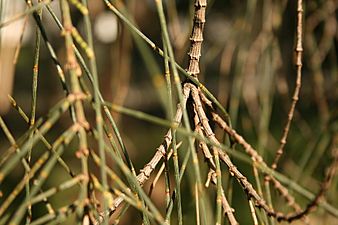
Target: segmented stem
x,y
299,54
196,38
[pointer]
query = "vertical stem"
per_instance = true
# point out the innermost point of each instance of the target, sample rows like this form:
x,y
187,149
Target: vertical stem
x,y
193,69
97,106
196,38
299,54
198,221
34,100
166,47
106,110
219,188
35,72
75,72
171,117
54,56
253,213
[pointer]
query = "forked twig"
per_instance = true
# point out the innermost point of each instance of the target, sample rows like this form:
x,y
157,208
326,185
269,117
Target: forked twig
x,y
161,152
243,181
212,169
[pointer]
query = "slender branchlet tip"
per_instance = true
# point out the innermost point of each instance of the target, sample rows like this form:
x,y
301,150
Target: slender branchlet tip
x,y
11,99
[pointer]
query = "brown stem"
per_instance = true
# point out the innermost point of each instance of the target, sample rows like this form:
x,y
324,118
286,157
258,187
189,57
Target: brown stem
x,y
252,193
207,154
299,54
329,175
161,151
196,38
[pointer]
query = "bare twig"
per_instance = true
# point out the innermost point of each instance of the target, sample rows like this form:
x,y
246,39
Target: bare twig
x,y
243,181
161,151
212,170
299,53
259,201
196,38
330,174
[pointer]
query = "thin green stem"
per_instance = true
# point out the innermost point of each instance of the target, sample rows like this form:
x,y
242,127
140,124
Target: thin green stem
x,y
42,138
239,155
37,165
54,190
97,105
53,116
62,214
166,47
75,72
161,53
131,178
55,60
171,117
106,110
59,144
33,104
185,114
219,189
29,11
